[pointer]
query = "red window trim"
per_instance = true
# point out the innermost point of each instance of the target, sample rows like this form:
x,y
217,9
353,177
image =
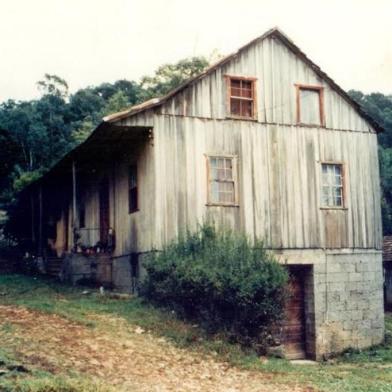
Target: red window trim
x,y
253,80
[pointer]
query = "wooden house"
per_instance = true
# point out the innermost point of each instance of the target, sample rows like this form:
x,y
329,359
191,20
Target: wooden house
x,y
264,142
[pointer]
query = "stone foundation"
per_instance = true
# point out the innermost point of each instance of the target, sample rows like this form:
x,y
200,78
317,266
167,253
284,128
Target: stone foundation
x,y
95,269
348,302
343,299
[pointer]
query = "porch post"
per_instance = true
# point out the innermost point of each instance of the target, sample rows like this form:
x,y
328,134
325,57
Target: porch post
x,y
40,221
74,212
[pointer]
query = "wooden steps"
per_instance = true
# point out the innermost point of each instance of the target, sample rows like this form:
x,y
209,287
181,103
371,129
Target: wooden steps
x,y
53,266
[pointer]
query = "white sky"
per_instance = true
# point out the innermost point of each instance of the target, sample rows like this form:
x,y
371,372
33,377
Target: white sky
x,y
87,42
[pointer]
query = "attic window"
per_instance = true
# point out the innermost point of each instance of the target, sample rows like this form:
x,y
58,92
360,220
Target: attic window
x,y
310,105
241,97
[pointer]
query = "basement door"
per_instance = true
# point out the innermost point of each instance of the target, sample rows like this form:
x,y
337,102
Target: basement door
x,y
294,323
104,212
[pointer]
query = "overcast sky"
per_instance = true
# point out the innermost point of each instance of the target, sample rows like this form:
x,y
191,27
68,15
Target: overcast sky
x,y
88,42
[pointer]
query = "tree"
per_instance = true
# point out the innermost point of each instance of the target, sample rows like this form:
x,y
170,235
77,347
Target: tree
x,y
170,76
379,106
53,85
10,156
47,128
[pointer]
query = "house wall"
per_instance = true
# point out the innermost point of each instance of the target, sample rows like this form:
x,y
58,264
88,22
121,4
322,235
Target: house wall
x,y
279,186
277,70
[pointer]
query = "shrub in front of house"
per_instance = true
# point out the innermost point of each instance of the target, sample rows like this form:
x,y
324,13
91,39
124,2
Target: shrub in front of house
x,y
220,279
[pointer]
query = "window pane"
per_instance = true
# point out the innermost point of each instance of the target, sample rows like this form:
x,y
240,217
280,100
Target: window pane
x,y
213,174
246,108
220,163
310,106
246,84
235,106
235,83
325,198
235,92
214,192
226,192
228,174
221,174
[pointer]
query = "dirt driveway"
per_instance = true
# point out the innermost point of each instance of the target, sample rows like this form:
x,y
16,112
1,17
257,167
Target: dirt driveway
x,y
128,357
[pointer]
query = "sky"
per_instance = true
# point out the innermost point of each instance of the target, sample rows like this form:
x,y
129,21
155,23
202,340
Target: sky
x,y
88,42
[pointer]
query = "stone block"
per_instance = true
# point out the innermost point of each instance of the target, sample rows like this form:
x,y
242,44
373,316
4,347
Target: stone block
x,y
336,286
337,277
355,277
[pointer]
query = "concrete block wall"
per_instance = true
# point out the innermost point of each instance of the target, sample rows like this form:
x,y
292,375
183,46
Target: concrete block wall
x,y
122,274
348,302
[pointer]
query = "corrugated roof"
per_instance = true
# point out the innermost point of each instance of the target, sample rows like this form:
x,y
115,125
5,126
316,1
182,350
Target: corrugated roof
x,y
387,248
276,33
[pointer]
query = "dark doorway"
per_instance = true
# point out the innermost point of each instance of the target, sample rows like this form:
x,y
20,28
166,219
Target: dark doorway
x,y
294,331
104,211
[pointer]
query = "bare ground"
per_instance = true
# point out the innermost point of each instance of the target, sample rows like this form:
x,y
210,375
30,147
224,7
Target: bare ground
x,y
124,355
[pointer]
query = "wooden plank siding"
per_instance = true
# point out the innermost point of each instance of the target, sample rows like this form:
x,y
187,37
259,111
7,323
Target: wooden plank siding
x,y
277,71
279,162
279,182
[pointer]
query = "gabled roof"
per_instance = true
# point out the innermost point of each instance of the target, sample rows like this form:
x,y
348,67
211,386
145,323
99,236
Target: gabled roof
x,y
273,33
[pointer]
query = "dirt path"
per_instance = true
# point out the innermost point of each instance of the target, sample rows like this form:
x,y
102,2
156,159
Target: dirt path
x,y
124,355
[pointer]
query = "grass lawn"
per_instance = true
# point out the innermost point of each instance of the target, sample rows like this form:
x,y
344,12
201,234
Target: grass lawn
x,y
369,370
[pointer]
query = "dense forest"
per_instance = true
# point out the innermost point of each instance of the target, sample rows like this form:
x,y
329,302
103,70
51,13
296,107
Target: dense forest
x,y
35,134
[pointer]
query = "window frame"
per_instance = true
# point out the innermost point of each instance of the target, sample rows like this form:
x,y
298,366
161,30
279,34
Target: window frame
x,y
130,168
343,174
253,81
320,89
234,159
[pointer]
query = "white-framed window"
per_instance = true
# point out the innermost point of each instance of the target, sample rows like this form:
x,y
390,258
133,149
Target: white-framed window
x,y
332,191
222,180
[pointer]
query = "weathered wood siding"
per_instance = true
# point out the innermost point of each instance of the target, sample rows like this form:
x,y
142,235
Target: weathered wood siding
x,y
277,70
279,182
279,161
135,231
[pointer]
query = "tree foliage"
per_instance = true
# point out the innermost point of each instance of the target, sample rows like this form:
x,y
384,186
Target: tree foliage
x,y
169,76
41,131
379,106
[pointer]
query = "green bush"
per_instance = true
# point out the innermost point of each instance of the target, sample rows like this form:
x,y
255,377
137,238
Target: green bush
x,y
220,279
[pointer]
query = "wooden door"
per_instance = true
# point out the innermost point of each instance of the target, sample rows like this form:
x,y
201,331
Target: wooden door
x,y
294,323
104,212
